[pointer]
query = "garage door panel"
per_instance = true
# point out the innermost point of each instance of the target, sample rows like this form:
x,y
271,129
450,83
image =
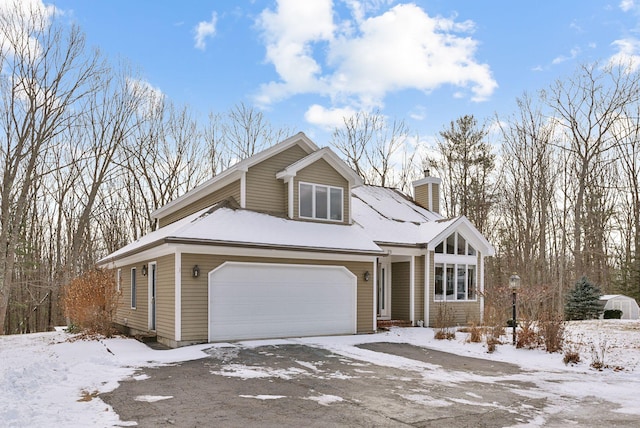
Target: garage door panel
x,y
273,300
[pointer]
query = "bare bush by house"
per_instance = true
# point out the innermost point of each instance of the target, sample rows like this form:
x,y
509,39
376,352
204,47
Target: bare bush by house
x,y
90,301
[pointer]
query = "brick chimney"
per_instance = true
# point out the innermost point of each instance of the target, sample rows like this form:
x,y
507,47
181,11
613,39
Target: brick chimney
x,y
426,192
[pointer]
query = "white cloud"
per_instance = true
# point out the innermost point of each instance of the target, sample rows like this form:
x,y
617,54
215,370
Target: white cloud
x,y
627,5
628,53
204,30
21,20
328,118
152,98
358,61
573,54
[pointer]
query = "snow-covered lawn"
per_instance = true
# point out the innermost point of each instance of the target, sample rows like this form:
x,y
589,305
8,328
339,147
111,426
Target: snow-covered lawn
x,y
48,380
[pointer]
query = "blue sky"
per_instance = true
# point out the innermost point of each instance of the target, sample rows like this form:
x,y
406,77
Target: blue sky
x,y
308,63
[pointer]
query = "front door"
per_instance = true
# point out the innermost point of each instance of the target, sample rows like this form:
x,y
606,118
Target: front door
x,y
384,290
152,296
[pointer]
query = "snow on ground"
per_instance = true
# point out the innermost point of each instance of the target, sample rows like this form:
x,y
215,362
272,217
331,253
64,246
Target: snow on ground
x,y
47,380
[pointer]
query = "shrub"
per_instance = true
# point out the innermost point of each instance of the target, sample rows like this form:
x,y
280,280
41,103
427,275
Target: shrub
x,y
527,337
552,332
90,301
612,314
475,333
444,323
571,356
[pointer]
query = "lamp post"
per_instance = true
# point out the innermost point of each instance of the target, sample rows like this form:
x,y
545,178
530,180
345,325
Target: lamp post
x,y
514,284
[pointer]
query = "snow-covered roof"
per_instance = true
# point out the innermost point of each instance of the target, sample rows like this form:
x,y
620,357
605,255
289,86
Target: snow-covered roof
x,y
389,217
614,296
222,225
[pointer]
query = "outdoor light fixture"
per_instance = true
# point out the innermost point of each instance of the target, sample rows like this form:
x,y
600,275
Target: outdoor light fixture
x,y
144,270
196,271
514,284
367,275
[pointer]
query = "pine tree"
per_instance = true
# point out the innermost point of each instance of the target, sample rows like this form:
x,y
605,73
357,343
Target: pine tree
x,y
583,301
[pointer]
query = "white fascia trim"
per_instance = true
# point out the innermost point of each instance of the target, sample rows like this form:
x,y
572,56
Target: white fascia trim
x,y
178,296
412,290
217,182
152,253
473,235
330,157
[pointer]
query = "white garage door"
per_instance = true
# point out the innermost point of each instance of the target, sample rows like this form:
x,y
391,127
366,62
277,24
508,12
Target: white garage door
x,y
257,301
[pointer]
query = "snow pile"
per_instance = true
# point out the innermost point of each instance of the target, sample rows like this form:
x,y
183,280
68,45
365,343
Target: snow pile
x,y
47,380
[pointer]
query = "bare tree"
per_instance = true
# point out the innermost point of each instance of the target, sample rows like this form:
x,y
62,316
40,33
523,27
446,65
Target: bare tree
x,y
45,71
587,106
369,144
528,196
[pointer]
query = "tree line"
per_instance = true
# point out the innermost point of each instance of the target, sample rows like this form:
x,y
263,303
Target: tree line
x,y
88,151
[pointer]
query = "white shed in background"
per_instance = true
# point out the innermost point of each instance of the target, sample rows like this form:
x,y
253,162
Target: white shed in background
x,y
627,305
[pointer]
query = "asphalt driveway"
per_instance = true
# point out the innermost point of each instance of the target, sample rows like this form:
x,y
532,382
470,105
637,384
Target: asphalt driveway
x,y
297,385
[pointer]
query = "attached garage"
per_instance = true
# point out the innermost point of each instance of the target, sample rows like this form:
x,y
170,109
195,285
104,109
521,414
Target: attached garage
x,y
270,300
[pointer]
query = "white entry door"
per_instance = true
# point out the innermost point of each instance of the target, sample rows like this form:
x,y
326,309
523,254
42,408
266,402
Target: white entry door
x,y
266,300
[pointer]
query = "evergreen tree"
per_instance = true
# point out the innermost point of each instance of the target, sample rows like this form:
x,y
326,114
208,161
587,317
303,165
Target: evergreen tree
x,y
583,301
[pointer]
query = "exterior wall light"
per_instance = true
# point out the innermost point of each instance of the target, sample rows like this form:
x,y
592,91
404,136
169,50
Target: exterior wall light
x,y
196,271
367,275
144,270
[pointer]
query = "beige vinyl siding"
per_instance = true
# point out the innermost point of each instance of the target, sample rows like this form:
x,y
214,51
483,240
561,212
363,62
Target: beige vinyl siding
x,y
418,303
230,190
264,191
133,318
138,318
463,313
320,172
421,195
435,191
195,291
165,296
400,290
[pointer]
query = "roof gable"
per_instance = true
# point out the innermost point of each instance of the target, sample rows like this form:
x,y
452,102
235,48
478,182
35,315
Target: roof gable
x,y
330,157
234,173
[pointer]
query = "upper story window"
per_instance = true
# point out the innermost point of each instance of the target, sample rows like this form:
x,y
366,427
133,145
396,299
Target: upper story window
x,y
455,244
320,202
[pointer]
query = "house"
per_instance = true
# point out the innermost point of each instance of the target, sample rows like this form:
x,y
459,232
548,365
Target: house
x,y
626,304
289,242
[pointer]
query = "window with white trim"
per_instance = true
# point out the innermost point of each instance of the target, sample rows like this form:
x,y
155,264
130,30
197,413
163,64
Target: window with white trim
x,y
133,288
320,202
455,244
119,281
455,282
